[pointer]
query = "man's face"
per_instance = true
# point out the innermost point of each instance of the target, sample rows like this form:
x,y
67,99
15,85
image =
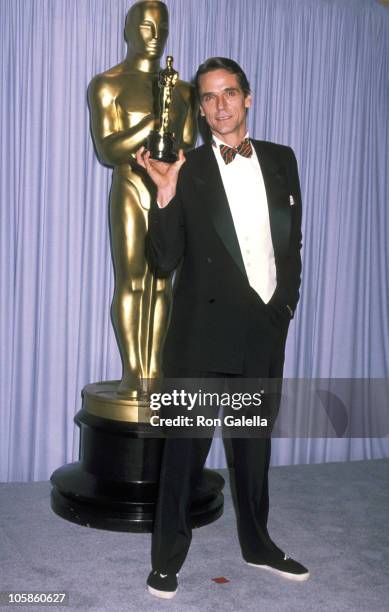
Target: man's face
x,y
223,104
147,30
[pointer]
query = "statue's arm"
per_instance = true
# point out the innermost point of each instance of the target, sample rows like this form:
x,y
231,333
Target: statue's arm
x,y
113,144
189,135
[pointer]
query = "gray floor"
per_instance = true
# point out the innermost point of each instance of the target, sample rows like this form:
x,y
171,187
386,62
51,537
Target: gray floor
x,y
333,517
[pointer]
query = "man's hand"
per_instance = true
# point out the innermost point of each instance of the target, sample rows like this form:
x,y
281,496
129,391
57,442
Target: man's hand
x,y
162,174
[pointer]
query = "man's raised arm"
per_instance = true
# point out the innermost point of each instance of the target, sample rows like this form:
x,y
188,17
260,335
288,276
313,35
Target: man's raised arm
x,y
165,240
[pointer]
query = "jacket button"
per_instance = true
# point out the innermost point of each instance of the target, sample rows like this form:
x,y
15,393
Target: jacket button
x,y
209,260
211,301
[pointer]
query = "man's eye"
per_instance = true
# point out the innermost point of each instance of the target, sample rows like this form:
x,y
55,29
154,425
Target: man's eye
x,y
231,92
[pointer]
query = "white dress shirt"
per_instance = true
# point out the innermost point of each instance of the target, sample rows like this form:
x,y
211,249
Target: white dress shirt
x,y
246,195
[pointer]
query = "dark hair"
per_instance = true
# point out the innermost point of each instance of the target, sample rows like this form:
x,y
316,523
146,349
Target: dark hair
x,y
222,63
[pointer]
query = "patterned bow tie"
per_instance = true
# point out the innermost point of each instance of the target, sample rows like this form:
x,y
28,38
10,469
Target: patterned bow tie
x,y
229,153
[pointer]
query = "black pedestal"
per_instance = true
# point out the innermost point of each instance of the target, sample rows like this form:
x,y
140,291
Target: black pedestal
x,y
114,484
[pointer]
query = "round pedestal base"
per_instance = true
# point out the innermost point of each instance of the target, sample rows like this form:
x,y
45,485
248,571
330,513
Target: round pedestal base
x,y
79,497
114,485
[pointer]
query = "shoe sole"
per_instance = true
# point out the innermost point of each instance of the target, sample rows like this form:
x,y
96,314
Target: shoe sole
x,y
162,594
295,577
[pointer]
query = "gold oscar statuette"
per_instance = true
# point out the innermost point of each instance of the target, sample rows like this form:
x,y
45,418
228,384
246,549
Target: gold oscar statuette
x,y
161,142
127,102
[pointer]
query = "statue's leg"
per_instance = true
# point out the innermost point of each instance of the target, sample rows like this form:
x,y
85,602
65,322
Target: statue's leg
x,y
128,230
161,314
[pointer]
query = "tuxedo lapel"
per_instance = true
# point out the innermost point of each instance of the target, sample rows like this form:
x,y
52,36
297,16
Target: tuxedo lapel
x,y
208,181
277,196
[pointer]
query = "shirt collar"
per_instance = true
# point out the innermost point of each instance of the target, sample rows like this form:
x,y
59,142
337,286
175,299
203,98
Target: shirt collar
x,y
220,142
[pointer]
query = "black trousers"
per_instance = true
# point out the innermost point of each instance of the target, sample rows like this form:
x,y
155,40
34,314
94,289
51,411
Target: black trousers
x,y
184,458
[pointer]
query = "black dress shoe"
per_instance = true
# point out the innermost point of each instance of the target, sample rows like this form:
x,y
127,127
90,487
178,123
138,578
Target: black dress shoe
x,y
286,567
162,585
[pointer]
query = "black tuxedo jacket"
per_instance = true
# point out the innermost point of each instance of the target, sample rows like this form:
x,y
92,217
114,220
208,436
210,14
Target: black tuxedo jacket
x,y
195,233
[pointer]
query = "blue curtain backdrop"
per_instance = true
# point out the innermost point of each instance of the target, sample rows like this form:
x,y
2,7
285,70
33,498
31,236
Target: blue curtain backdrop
x,y
319,73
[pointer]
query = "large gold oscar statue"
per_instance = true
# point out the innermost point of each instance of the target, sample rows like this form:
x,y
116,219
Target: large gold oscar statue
x,y
124,106
114,484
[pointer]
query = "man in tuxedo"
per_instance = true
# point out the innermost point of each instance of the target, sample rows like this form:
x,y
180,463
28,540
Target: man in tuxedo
x,y
229,215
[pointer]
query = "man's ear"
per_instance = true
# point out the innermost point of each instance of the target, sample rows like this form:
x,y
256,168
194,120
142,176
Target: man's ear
x,y
247,101
201,111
